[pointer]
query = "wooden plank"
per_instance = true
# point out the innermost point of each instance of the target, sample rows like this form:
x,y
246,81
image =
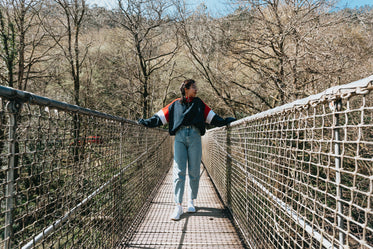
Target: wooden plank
x,y
209,227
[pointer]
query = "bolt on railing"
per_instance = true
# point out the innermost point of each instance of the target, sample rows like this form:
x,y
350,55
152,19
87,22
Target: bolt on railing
x,y
300,175
72,177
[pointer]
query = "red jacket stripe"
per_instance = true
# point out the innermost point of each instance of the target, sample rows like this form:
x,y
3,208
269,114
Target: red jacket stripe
x,y
164,113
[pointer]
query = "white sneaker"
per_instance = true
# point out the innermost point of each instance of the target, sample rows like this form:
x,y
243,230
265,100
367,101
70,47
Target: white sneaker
x,y
177,213
191,208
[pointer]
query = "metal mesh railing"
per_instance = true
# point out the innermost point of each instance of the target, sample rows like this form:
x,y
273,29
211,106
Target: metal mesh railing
x,y
72,177
300,175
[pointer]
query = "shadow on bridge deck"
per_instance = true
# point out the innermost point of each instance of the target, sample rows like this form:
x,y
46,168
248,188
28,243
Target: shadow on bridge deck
x,y
209,227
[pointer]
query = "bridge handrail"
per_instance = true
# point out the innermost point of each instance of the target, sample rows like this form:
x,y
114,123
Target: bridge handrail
x,y
287,208
359,87
27,97
71,212
300,175
71,176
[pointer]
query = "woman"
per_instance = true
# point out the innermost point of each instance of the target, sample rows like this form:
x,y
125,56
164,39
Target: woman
x,y
186,117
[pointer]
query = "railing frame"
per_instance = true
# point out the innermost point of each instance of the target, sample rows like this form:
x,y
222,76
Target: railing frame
x,y
16,99
334,97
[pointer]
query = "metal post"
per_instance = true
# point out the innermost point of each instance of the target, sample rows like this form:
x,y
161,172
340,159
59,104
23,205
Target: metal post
x,y
121,145
118,198
246,177
142,165
13,108
228,174
338,166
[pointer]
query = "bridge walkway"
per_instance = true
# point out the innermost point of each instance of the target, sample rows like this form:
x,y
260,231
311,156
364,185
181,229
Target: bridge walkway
x,y
209,227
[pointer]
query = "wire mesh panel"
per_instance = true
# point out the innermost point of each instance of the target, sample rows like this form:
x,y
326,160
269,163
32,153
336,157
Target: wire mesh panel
x,y
71,177
301,175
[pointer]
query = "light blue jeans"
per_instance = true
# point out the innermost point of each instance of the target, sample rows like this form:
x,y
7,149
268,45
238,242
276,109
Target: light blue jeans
x,y
187,153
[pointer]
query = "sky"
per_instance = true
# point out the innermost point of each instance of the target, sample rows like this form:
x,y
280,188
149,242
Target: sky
x,y
355,3
220,6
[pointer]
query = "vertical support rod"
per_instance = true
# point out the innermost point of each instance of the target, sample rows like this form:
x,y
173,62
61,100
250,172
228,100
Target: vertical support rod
x,y
228,174
118,199
121,145
143,169
338,166
246,177
13,108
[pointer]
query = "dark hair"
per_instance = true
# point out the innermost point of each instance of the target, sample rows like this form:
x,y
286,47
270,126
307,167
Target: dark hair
x,y
186,84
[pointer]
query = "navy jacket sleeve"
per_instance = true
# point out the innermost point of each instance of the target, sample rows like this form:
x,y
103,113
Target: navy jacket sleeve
x,y
154,121
219,121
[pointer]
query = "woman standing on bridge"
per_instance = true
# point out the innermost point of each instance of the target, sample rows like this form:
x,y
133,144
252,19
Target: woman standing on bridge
x,y
186,117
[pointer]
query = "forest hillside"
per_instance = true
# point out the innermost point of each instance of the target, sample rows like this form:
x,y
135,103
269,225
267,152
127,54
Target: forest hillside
x,y
131,60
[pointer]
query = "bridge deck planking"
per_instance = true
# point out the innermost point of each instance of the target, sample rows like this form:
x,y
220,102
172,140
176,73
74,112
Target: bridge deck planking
x,y
209,227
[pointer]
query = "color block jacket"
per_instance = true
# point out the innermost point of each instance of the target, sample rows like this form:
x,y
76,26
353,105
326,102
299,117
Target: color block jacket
x,y
195,112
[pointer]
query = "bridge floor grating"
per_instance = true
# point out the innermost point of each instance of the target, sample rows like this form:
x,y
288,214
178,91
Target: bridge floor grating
x,y
209,227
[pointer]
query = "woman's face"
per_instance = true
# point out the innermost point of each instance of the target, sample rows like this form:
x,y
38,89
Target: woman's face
x,y
191,92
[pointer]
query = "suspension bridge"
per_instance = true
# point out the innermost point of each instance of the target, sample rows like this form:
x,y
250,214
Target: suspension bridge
x,y
297,176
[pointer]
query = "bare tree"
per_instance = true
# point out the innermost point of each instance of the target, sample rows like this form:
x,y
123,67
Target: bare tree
x,y
22,41
275,41
8,42
204,38
146,22
65,25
